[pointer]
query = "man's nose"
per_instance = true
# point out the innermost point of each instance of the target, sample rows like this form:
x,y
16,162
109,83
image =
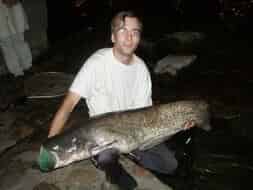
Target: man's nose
x,y
129,36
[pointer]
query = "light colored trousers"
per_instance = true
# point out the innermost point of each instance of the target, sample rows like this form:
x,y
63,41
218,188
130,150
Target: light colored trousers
x,y
17,54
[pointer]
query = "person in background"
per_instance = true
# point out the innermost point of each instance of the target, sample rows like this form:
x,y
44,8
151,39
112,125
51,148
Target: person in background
x,y
13,23
115,79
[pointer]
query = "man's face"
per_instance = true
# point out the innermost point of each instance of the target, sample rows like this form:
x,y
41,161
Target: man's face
x,y
126,36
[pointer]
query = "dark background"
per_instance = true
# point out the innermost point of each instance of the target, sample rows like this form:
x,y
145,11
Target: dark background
x,y
160,16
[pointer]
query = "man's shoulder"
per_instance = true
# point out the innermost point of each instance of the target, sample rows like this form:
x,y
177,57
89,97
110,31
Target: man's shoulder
x,y
101,53
96,61
98,57
140,62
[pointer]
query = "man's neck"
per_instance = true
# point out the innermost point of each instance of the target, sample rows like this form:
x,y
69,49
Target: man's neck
x,y
125,59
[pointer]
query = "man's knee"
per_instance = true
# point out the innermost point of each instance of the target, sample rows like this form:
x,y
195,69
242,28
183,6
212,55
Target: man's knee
x,y
159,158
107,157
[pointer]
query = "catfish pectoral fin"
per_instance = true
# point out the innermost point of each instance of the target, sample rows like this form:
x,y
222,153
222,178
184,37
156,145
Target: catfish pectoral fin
x,y
96,149
99,148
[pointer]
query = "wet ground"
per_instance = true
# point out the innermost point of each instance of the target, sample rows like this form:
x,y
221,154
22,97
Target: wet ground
x,y
219,159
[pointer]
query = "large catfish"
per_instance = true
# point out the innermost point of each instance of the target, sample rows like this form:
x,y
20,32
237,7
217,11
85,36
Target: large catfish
x,y
125,131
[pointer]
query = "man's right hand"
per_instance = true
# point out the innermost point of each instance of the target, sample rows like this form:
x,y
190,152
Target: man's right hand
x,y
63,113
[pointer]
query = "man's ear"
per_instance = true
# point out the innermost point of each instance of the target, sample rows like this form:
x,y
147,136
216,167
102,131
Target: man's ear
x,y
112,38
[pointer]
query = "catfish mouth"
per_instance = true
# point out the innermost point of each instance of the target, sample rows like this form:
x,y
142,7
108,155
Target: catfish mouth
x,y
46,160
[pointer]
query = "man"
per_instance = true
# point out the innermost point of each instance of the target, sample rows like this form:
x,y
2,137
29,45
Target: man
x,y
13,24
115,79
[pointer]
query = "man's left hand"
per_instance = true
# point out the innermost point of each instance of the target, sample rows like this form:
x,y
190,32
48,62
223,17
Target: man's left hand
x,y
189,124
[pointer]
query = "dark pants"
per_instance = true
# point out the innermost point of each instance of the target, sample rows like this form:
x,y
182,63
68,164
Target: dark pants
x,y
159,159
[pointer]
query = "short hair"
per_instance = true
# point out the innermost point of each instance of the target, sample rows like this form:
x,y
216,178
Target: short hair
x,y
120,18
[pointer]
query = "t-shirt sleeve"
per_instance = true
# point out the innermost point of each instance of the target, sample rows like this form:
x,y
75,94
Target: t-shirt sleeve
x,y
143,96
84,79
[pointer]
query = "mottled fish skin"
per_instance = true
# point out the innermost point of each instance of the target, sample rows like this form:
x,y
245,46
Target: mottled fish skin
x,y
126,131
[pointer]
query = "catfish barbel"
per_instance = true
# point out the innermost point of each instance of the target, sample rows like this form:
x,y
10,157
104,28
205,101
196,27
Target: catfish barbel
x,y
125,131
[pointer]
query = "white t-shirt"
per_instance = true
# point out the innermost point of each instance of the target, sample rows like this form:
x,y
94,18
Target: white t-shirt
x,y
109,85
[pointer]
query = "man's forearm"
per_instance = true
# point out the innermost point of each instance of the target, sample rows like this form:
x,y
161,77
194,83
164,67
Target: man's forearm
x,y
62,115
58,123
